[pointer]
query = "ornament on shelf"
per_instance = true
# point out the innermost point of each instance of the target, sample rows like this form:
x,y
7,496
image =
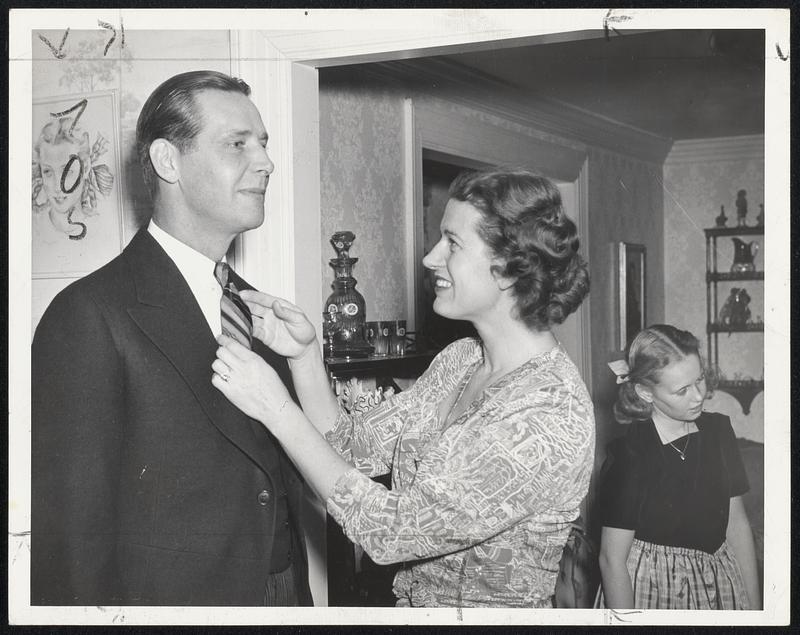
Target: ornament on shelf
x,y
741,208
721,219
760,217
744,255
735,313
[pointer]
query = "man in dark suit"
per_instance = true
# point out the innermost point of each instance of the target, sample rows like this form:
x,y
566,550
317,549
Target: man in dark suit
x,y
148,486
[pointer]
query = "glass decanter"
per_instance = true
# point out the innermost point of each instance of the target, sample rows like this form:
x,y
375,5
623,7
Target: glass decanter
x,y
346,305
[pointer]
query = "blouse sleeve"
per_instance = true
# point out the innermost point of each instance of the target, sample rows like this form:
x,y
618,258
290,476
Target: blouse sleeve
x,y
367,440
532,455
618,497
732,458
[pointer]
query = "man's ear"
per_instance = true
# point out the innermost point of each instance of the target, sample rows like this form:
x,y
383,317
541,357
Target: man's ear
x,y
645,394
164,157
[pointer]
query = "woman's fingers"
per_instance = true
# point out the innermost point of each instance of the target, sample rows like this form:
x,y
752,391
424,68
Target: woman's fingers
x,y
231,351
288,312
260,303
221,369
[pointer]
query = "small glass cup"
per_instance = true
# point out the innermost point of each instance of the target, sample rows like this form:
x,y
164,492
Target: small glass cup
x,y
397,337
370,331
378,335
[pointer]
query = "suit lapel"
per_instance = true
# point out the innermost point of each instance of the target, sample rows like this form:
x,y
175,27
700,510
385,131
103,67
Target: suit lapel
x,y
168,314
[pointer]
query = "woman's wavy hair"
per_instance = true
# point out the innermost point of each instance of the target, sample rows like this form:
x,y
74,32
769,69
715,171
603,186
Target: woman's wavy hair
x,y
524,224
653,349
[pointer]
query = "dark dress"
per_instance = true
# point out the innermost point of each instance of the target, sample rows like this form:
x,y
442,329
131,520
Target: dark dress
x,y
678,510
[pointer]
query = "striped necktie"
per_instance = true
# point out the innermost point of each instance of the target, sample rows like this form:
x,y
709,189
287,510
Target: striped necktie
x,y
236,319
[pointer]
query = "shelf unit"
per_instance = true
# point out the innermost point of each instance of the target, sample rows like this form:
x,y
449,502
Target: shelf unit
x,y
743,390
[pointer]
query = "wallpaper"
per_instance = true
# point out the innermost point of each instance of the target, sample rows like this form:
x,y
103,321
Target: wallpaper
x,y
361,190
625,204
694,190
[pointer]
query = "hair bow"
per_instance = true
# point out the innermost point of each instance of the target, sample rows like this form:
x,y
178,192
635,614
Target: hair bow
x,y
621,370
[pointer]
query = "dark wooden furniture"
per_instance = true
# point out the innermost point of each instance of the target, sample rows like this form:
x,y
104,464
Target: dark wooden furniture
x,y
743,390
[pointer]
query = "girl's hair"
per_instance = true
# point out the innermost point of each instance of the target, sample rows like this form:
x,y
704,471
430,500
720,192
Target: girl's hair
x,y
525,227
650,352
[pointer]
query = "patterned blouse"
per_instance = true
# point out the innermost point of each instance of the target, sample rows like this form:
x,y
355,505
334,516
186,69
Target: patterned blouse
x,y
479,510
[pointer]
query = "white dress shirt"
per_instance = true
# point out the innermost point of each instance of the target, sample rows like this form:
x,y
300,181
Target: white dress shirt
x,y
198,271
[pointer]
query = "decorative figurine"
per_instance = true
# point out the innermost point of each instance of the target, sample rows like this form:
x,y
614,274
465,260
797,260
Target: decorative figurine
x,y
735,312
721,219
741,208
760,217
346,308
743,256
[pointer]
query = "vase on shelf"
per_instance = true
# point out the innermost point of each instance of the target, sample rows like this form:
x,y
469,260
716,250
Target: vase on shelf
x,y
744,255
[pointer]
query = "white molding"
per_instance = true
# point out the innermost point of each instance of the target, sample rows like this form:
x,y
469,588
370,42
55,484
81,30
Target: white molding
x,y
265,255
471,137
716,149
385,33
410,187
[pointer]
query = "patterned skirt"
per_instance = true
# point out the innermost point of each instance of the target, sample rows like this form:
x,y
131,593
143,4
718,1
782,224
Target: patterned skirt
x,y
679,578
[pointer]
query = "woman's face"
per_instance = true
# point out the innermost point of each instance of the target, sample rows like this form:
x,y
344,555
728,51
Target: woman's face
x,y
461,263
63,172
680,391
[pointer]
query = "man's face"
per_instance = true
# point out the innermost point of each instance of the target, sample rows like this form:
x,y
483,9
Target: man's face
x,y
223,178
63,171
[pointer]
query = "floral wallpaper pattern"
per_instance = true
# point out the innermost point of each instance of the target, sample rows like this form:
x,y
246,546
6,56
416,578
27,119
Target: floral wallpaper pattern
x,y
361,190
694,190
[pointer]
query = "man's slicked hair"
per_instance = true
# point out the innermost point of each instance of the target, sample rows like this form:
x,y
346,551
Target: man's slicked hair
x,y
171,113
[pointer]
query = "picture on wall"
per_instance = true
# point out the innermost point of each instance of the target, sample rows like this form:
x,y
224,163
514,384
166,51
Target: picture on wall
x,y
631,291
75,192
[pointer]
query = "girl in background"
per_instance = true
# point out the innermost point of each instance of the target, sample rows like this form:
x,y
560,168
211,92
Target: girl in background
x,y
675,532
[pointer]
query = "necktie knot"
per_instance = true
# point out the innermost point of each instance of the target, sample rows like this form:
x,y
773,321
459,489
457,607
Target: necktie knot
x,y
221,270
236,319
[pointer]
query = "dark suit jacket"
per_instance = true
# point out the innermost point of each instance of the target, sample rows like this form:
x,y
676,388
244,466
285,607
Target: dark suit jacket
x,y
145,479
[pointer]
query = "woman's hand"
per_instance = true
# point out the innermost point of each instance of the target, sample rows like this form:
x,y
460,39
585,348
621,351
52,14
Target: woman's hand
x,y
281,325
249,382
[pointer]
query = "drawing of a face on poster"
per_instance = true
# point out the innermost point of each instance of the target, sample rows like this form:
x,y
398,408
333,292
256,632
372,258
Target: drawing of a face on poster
x,y
76,220
67,176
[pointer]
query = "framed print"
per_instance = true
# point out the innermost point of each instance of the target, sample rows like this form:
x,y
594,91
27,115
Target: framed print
x,y
76,204
631,291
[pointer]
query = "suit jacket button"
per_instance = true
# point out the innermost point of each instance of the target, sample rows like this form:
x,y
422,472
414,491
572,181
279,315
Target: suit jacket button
x,y
263,498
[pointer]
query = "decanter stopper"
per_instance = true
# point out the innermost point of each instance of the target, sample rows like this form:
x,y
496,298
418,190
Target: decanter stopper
x,y
342,241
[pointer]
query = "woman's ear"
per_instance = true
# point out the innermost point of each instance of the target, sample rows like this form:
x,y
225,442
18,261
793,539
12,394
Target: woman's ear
x,y
645,394
503,282
163,156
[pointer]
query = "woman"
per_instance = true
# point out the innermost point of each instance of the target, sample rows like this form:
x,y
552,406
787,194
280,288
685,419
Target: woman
x,y
675,533
491,450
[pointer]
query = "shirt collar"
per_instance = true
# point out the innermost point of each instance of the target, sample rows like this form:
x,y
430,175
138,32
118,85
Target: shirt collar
x,y
192,264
